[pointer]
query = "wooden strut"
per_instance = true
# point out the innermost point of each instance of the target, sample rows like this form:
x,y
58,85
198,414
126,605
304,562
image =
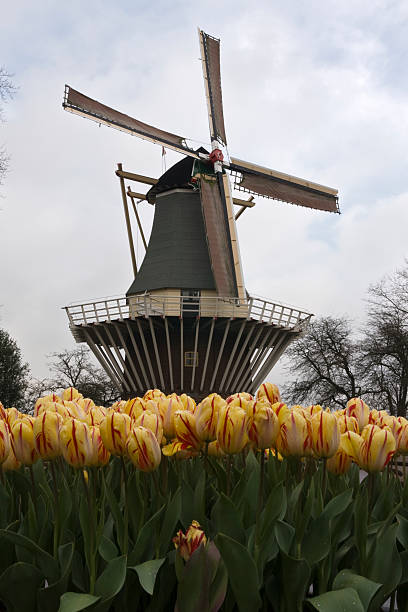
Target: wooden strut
x,y
119,173
244,205
131,195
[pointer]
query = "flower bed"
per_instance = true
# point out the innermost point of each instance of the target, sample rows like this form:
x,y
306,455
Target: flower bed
x,y
242,503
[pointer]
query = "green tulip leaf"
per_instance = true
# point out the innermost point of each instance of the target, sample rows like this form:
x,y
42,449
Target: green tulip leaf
x,y
402,532
147,573
107,549
384,563
227,520
343,600
19,585
316,542
44,560
295,580
242,572
338,504
145,539
171,518
48,597
193,587
112,578
284,535
365,588
75,602
275,509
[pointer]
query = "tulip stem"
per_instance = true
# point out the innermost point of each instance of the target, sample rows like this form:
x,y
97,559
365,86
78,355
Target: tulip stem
x,y
404,468
260,496
56,516
34,492
126,509
229,464
324,477
92,552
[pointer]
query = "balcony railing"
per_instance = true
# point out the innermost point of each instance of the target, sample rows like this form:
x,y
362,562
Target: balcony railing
x,y
146,305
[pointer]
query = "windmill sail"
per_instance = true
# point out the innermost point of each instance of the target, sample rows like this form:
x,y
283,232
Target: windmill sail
x,y
210,55
218,236
78,103
280,186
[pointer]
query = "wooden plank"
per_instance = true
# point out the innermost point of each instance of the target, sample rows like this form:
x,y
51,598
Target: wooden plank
x,y
282,175
139,178
127,219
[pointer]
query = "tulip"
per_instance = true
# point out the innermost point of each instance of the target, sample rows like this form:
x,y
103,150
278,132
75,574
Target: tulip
x,y
402,439
167,407
12,415
115,429
340,462
42,401
264,427
11,463
232,429
310,411
71,394
281,410
270,392
96,415
294,439
214,449
76,444
22,439
99,455
237,397
143,449
347,423
46,429
187,543
180,449
358,409
188,402
4,441
372,450
3,413
151,421
185,427
154,394
134,407
325,434
207,417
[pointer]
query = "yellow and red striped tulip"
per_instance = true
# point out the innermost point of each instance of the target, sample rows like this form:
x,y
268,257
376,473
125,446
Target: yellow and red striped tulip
x,y
143,449
167,407
325,434
340,462
99,454
134,407
42,401
115,429
240,399
185,427
270,392
264,425
76,444
232,429
311,411
3,413
187,543
11,463
188,402
4,441
71,394
281,410
206,415
347,423
402,439
151,421
22,440
96,415
47,434
372,450
359,410
154,394
294,439
214,449
12,415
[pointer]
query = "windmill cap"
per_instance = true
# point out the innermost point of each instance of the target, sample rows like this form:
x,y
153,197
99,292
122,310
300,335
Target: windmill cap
x,y
179,175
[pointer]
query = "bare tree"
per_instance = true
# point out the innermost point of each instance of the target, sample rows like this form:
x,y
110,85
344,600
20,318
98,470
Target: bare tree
x,y
74,368
325,363
385,350
7,91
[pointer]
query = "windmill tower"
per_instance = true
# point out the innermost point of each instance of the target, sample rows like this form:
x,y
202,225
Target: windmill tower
x,y
187,323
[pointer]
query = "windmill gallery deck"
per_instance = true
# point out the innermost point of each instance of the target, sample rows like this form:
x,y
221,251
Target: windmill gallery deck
x,y
187,323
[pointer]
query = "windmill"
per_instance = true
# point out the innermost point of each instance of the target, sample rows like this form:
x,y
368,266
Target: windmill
x,y
187,323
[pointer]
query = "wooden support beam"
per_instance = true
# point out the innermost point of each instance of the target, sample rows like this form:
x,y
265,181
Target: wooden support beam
x,y
139,178
127,219
136,194
246,203
131,196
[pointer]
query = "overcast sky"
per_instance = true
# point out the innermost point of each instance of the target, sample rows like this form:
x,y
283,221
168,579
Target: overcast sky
x,y
317,89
